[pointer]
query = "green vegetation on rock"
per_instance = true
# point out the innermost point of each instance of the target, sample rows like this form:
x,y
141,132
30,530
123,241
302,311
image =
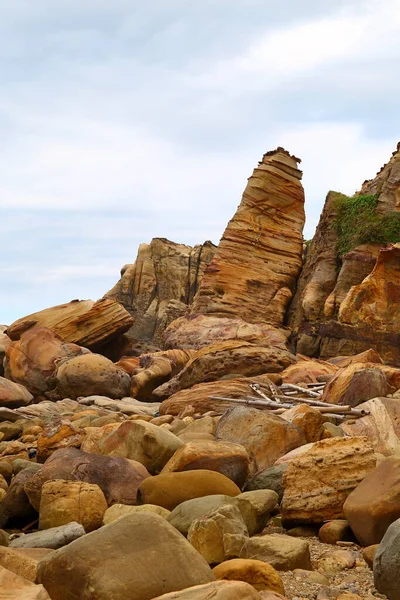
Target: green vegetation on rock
x,y
357,223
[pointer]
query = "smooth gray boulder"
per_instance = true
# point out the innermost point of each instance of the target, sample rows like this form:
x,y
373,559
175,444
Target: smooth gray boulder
x,y
269,479
387,563
55,537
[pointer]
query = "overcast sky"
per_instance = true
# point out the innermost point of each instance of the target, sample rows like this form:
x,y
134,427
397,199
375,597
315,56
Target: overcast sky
x,y
123,120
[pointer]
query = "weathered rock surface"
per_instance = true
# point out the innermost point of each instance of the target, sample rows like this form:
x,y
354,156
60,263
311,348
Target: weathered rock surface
x,y
282,552
269,479
155,369
139,440
375,502
226,358
381,426
92,374
54,538
386,563
308,371
308,419
83,322
83,568
259,574
229,459
201,330
160,285
199,396
118,477
32,360
355,384
265,436
318,482
13,395
120,510
63,502
170,489
14,587
267,227
58,435
217,590
15,504
22,561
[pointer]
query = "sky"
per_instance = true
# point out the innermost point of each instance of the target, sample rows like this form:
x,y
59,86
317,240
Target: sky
x,y
124,120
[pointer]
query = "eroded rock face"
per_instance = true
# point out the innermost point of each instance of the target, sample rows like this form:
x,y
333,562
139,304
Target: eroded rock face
x,y
13,395
254,270
386,184
160,285
318,482
83,322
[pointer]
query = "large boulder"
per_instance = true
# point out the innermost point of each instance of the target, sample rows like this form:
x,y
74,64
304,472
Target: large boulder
x,y
308,419
318,482
116,511
13,395
170,489
84,322
355,384
226,358
15,504
269,479
229,459
217,590
144,557
155,369
92,374
386,563
118,478
138,440
32,360
381,425
64,502
14,587
57,435
375,502
308,371
265,436
22,561
256,572
283,552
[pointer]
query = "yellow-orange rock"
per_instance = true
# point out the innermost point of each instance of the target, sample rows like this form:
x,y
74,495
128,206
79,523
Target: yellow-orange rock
x,y
256,572
318,482
254,270
307,371
308,419
199,396
13,395
376,301
83,322
226,358
355,384
201,330
369,356
227,458
15,587
33,359
57,435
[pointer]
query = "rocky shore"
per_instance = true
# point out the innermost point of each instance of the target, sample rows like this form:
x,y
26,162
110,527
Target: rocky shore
x,y
225,423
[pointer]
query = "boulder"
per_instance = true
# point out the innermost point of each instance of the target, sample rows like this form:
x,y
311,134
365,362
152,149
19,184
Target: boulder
x,y
318,482
10,431
170,489
32,360
224,358
375,502
217,590
187,512
64,502
137,440
229,459
386,563
256,572
282,552
308,419
118,478
83,568
355,384
368,356
15,504
335,531
269,479
219,534
22,561
92,374
83,322
120,510
263,502
339,560
381,426
15,587
13,395
199,396
202,330
56,436
308,371
54,538
155,369
265,436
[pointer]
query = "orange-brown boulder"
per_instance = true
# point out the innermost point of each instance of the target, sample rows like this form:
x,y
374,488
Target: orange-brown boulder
x,y
375,502
57,435
229,459
226,358
13,395
256,572
15,587
33,359
308,419
170,489
202,330
254,270
217,590
199,397
307,371
368,356
83,322
355,384
317,483
265,436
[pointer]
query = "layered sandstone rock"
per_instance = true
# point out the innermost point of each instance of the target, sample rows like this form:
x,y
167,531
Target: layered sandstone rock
x,y
83,322
386,184
159,286
254,270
